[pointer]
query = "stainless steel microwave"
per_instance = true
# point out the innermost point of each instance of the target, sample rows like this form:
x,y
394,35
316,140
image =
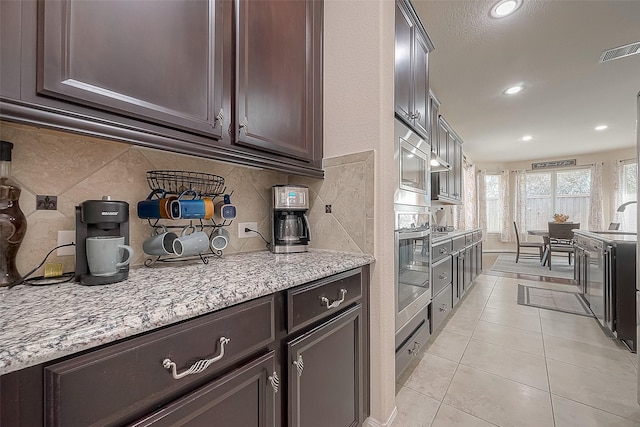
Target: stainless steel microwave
x,y
413,155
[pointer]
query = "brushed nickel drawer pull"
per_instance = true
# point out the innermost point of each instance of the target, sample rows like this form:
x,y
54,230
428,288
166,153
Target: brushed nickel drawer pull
x,y
443,276
444,307
443,250
416,347
197,367
275,382
299,364
337,302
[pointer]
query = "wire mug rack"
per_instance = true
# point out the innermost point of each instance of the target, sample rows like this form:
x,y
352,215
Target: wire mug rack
x,y
190,186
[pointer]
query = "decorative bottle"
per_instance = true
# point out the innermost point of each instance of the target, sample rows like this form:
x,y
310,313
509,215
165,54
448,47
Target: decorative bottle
x,y
13,224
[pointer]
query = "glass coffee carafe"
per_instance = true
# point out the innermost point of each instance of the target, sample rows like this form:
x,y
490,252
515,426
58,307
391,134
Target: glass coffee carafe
x,y
290,228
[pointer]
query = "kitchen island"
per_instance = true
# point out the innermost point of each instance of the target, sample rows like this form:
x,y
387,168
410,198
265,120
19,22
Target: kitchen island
x,y
605,269
268,310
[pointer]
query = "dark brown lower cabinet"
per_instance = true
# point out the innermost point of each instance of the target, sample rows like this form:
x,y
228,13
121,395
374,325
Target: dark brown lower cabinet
x,y
325,373
230,368
247,397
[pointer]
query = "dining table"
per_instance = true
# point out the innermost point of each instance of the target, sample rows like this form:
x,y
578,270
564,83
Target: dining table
x,y
545,238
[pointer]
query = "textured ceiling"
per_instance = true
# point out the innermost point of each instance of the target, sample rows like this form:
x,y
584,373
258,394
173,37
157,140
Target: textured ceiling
x,y
553,48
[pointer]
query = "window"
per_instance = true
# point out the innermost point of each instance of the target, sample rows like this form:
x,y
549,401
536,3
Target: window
x,y
627,218
492,197
564,191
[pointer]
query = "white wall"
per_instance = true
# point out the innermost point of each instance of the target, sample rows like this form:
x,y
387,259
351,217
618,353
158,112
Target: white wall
x,y
606,157
358,116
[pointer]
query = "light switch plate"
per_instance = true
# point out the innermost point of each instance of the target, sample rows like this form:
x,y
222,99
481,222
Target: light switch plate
x,y
65,237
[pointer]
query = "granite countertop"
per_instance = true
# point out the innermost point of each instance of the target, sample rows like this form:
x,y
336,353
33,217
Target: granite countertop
x,y
40,324
610,236
442,236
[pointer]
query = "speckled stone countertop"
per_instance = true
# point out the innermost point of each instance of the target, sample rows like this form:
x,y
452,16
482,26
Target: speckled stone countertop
x,y
440,237
39,324
610,236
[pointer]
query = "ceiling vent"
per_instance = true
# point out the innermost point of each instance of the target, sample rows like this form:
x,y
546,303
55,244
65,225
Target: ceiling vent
x,y
620,52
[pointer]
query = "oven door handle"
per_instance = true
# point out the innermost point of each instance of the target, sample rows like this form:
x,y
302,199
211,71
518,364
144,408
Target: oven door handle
x,y
404,235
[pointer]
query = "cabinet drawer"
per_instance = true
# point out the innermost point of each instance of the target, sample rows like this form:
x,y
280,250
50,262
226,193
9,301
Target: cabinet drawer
x,y
440,308
440,250
477,236
412,347
458,243
244,397
582,240
309,303
441,275
124,381
468,239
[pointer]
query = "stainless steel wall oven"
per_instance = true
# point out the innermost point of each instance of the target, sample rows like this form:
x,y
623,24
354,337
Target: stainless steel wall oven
x,y
413,261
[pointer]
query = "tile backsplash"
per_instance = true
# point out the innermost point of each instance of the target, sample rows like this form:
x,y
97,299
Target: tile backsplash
x,y
76,168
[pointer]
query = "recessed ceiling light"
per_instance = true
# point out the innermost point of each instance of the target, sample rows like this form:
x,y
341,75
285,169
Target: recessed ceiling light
x,y
505,8
527,138
601,127
513,90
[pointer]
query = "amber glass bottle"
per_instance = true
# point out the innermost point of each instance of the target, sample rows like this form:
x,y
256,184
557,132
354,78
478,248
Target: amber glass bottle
x,y
13,224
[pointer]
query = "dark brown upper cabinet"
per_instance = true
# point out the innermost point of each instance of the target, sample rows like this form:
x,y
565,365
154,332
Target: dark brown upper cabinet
x,y
412,69
159,61
232,80
446,186
278,77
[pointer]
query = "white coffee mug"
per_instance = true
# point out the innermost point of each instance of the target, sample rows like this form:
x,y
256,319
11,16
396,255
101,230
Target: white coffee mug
x,y
104,255
161,243
219,239
191,244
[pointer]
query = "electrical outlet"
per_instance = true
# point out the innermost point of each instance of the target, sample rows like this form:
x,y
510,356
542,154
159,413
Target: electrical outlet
x,y
65,237
244,234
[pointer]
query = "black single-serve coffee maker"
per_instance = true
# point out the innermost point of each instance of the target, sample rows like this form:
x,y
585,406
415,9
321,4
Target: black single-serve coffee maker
x,y
290,231
95,218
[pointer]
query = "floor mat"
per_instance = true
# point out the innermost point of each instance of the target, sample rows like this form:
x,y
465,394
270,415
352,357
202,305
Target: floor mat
x,y
566,302
507,263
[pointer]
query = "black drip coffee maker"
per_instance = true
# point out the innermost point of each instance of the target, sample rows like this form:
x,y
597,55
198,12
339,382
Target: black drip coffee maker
x,y
94,218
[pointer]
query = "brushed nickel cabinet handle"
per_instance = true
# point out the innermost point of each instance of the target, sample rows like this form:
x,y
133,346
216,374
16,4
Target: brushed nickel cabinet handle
x,y
337,302
197,367
299,364
416,347
244,125
443,250
443,276
275,381
220,117
444,307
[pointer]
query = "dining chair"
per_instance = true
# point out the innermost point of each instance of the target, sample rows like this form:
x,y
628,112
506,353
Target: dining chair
x,y
561,238
537,245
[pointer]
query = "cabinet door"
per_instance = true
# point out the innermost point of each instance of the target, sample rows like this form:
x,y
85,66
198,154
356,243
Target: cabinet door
x,y
327,362
10,44
460,273
167,71
451,158
434,112
403,52
247,397
421,85
457,170
468,263
443,144
278,76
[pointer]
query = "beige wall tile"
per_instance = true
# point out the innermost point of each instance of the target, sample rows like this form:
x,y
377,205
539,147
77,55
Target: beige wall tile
x,y
52,162
76,168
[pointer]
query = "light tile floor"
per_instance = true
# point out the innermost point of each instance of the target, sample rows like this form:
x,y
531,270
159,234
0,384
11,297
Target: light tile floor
x,y
497,363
